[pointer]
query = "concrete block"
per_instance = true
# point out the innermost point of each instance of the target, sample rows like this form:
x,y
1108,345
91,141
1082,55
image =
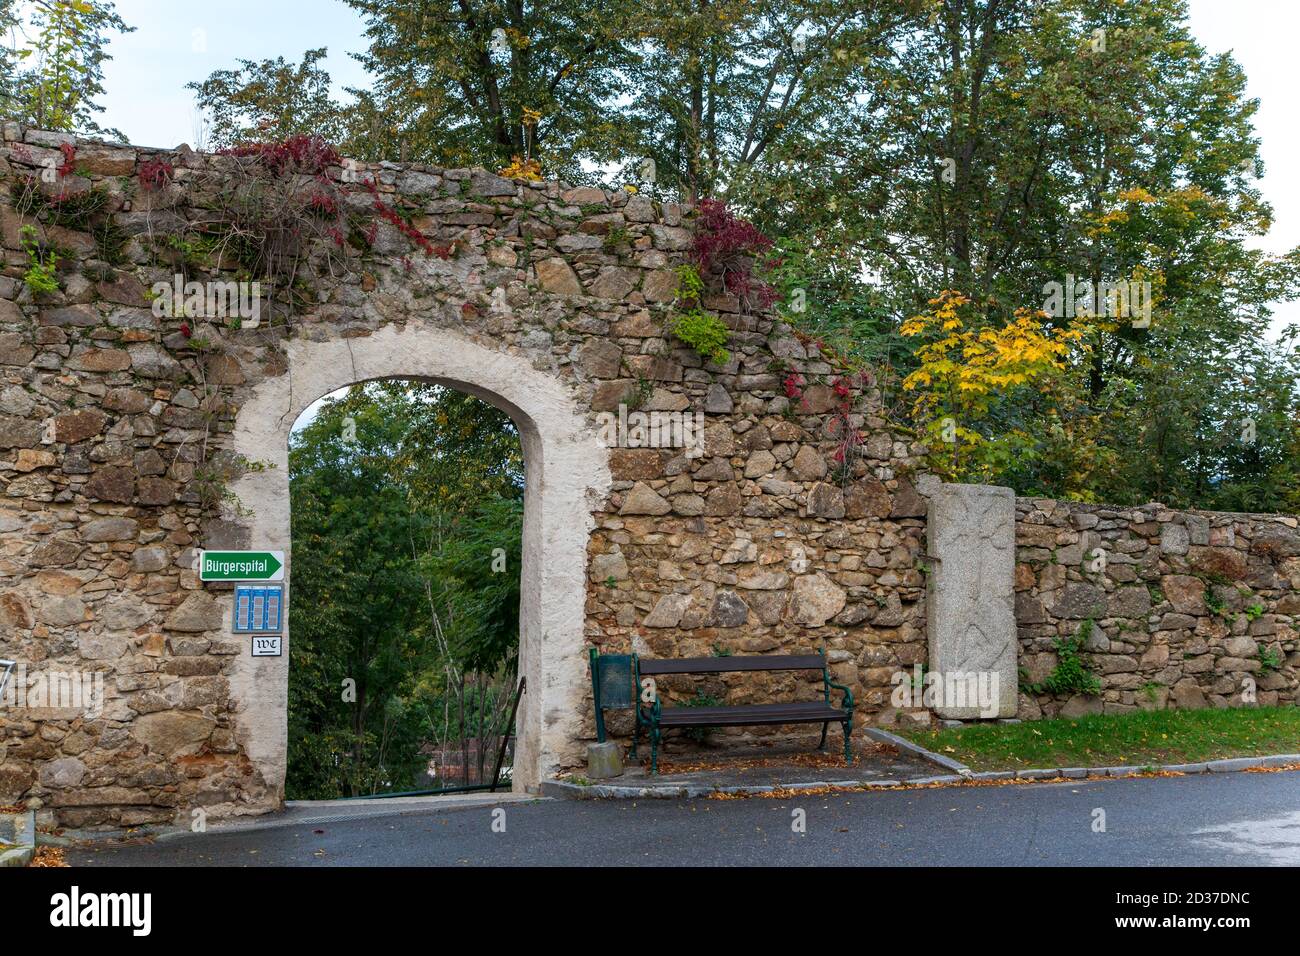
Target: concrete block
x,y
18,829
604,761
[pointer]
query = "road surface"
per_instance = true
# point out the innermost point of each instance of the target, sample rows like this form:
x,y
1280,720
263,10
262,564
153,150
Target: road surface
x,y
1202,820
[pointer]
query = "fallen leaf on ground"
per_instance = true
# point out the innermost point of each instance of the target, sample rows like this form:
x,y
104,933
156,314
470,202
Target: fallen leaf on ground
x,y
49,856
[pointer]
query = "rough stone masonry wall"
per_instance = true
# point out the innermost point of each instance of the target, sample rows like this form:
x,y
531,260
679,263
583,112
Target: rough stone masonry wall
x,y
1188,606
112,419
758,551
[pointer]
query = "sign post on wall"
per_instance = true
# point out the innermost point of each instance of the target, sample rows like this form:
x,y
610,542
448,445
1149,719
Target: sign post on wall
x,y
241,565
259,611
259,608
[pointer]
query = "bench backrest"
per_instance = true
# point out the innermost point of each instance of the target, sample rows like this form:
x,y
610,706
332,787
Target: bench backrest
x,y
730,664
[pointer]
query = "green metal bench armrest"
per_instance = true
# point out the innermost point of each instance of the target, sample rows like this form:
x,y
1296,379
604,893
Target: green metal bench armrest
x,y
642,717
848,694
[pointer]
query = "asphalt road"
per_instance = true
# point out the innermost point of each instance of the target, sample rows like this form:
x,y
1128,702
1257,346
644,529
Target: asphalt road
x,y
1204,820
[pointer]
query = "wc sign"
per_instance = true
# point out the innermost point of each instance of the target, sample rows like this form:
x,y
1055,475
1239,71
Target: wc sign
x,y
271,645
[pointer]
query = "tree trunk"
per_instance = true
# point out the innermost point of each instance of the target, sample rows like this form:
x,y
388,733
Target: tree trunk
x,y
464,740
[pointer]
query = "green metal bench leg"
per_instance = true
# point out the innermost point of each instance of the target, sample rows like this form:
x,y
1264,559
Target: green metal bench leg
x,y
636,734
821,745
848,751
654,751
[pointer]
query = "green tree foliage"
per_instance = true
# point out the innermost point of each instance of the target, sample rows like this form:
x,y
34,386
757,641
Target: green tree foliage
x,y
477,82
457,450
395,599
270,98
1003,145
732,90
898,150
8,24
54,72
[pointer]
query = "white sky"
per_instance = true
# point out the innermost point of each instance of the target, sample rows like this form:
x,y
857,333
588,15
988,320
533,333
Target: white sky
x,y
177,42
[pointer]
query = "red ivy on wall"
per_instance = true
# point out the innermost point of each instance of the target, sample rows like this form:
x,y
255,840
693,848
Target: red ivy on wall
x,y
793,385
69,159
393,217
730,246
309,155
850,438
155,173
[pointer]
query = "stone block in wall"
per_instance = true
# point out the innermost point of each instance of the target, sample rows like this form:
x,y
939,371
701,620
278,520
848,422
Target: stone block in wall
x,y
971,604
1276,541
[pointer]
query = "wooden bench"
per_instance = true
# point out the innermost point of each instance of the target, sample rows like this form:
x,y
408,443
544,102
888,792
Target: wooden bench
x,y
607,675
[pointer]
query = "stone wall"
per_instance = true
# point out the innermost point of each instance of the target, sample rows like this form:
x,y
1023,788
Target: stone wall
x,y
1189,608
757,550
129,439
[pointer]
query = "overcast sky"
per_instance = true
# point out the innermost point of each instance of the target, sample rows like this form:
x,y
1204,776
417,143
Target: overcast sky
x,y
177,42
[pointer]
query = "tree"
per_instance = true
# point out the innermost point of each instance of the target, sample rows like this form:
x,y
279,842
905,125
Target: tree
x,y
727,89
61,68
8,26
1011,145
270,98
479,82
358,641
963,371
404,612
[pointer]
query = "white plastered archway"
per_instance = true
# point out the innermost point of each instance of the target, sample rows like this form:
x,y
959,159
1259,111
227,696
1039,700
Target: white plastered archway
x,y
567,478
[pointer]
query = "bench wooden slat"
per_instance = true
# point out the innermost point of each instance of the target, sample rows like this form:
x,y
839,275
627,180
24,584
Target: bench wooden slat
x,y
660,719
726,665
750,715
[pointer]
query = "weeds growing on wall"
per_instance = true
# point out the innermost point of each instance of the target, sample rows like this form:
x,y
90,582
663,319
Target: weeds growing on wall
x,y
40,276
1071,675
701,330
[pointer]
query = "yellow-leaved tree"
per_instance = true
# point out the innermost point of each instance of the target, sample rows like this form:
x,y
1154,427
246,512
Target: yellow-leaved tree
x,y
966,371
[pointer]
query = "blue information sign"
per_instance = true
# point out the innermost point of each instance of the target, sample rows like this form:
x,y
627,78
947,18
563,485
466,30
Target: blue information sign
x,y
258,609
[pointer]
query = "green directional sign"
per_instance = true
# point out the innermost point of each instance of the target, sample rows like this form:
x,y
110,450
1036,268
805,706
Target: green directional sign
x,y
241,566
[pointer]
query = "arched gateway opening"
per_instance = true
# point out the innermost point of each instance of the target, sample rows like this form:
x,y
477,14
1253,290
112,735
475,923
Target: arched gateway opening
x,y
566,471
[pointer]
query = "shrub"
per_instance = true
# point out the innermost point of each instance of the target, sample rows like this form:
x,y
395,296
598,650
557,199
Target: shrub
x,y
702,331
727,245
39,277
155,174
307,155
520,168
